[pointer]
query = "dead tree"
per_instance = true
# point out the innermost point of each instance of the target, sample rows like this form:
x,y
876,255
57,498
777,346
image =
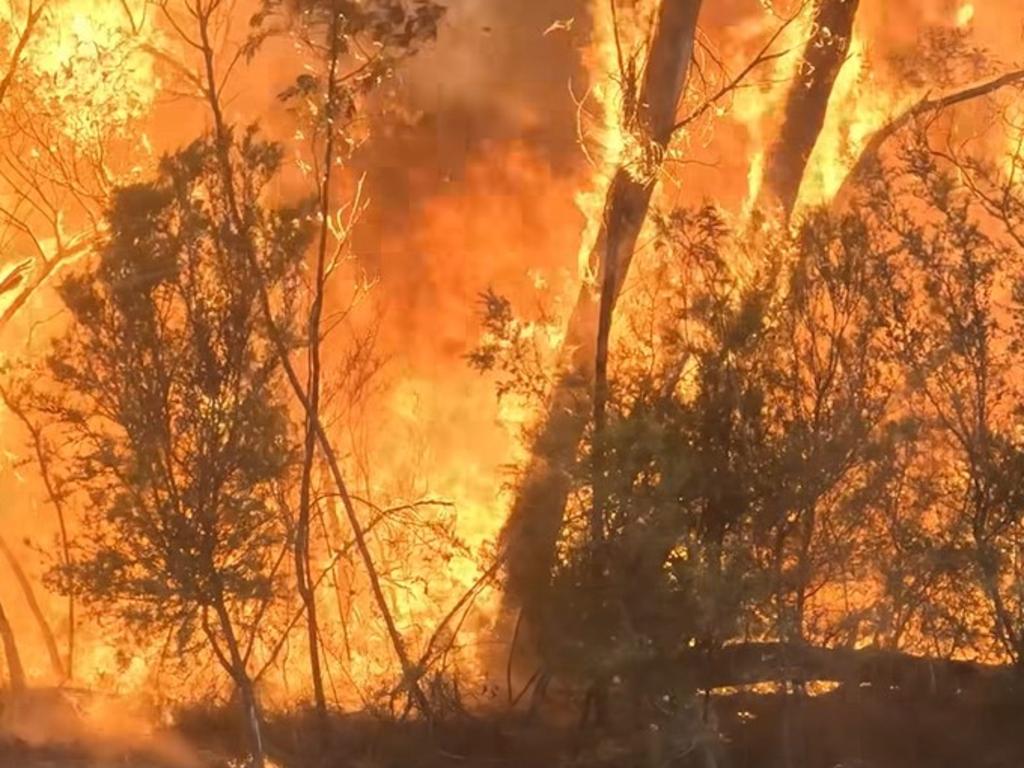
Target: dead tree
x,y
807,102
532,530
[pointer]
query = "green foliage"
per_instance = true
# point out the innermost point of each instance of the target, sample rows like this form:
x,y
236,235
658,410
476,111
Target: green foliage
x,y
170,394
369,40
814,433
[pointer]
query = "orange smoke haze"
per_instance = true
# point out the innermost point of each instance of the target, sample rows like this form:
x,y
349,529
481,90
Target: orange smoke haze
x,y
475,179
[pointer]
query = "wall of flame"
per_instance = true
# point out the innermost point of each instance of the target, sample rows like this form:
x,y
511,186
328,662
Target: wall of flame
x,y
475,177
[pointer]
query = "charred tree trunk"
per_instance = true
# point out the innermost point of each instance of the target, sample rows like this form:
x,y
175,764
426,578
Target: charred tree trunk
x,y
807,103
532,530
14,668
37,612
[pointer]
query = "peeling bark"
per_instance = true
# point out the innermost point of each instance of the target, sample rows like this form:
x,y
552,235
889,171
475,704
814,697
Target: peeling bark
x,y
532,530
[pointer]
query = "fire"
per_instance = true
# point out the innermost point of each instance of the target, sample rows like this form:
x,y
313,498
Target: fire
x,y
965,14
860,105
612,58
511,219
757,109
91,54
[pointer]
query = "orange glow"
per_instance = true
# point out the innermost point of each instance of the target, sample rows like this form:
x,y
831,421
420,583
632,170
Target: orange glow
x,y
511,219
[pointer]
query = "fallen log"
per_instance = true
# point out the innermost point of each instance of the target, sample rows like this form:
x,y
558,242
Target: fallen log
x,y
745,664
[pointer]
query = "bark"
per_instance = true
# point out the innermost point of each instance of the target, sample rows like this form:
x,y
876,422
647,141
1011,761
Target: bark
x,y
37,612
14,668
807,103
532,530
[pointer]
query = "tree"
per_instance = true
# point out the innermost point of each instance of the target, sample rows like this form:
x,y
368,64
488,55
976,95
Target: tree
x,y
807,101
329,103
746,424
170,394
211,83
536,517
957,298
69,113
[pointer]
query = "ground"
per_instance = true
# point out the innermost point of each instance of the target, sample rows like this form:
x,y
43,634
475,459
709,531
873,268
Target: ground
x,y
846,729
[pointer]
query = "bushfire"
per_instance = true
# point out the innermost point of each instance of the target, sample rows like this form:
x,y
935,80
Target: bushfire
x,y
584,382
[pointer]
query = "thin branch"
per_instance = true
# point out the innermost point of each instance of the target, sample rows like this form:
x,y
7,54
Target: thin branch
x,y
927,106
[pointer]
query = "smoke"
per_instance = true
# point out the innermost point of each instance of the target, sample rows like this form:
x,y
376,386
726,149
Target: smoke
x,y
100,727
471,175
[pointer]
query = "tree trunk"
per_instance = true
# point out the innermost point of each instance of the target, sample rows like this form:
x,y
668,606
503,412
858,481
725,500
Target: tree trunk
x,y
14,668
532,530
807,103
222,134
236,667
304,579
37,612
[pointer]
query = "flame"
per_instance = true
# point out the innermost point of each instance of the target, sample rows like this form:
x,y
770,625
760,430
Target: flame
x,y
512,220
96,72
758,109
965,15
860,105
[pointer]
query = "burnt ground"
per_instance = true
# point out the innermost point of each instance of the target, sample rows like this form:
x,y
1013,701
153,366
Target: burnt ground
x,y
858,729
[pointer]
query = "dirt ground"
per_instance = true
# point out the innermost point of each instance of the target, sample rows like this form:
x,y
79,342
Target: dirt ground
x,y
851,729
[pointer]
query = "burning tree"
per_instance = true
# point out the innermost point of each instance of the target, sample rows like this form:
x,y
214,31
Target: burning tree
x,y
170,395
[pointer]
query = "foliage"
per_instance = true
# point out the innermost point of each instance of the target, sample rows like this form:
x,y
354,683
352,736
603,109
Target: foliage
x,y
813,433
169,396
368,39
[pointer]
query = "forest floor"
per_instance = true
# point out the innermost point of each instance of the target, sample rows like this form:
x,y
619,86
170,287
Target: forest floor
x,y
840,730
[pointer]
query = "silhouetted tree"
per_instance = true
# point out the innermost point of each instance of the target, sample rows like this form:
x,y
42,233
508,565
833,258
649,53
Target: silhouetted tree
x,y
169,390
